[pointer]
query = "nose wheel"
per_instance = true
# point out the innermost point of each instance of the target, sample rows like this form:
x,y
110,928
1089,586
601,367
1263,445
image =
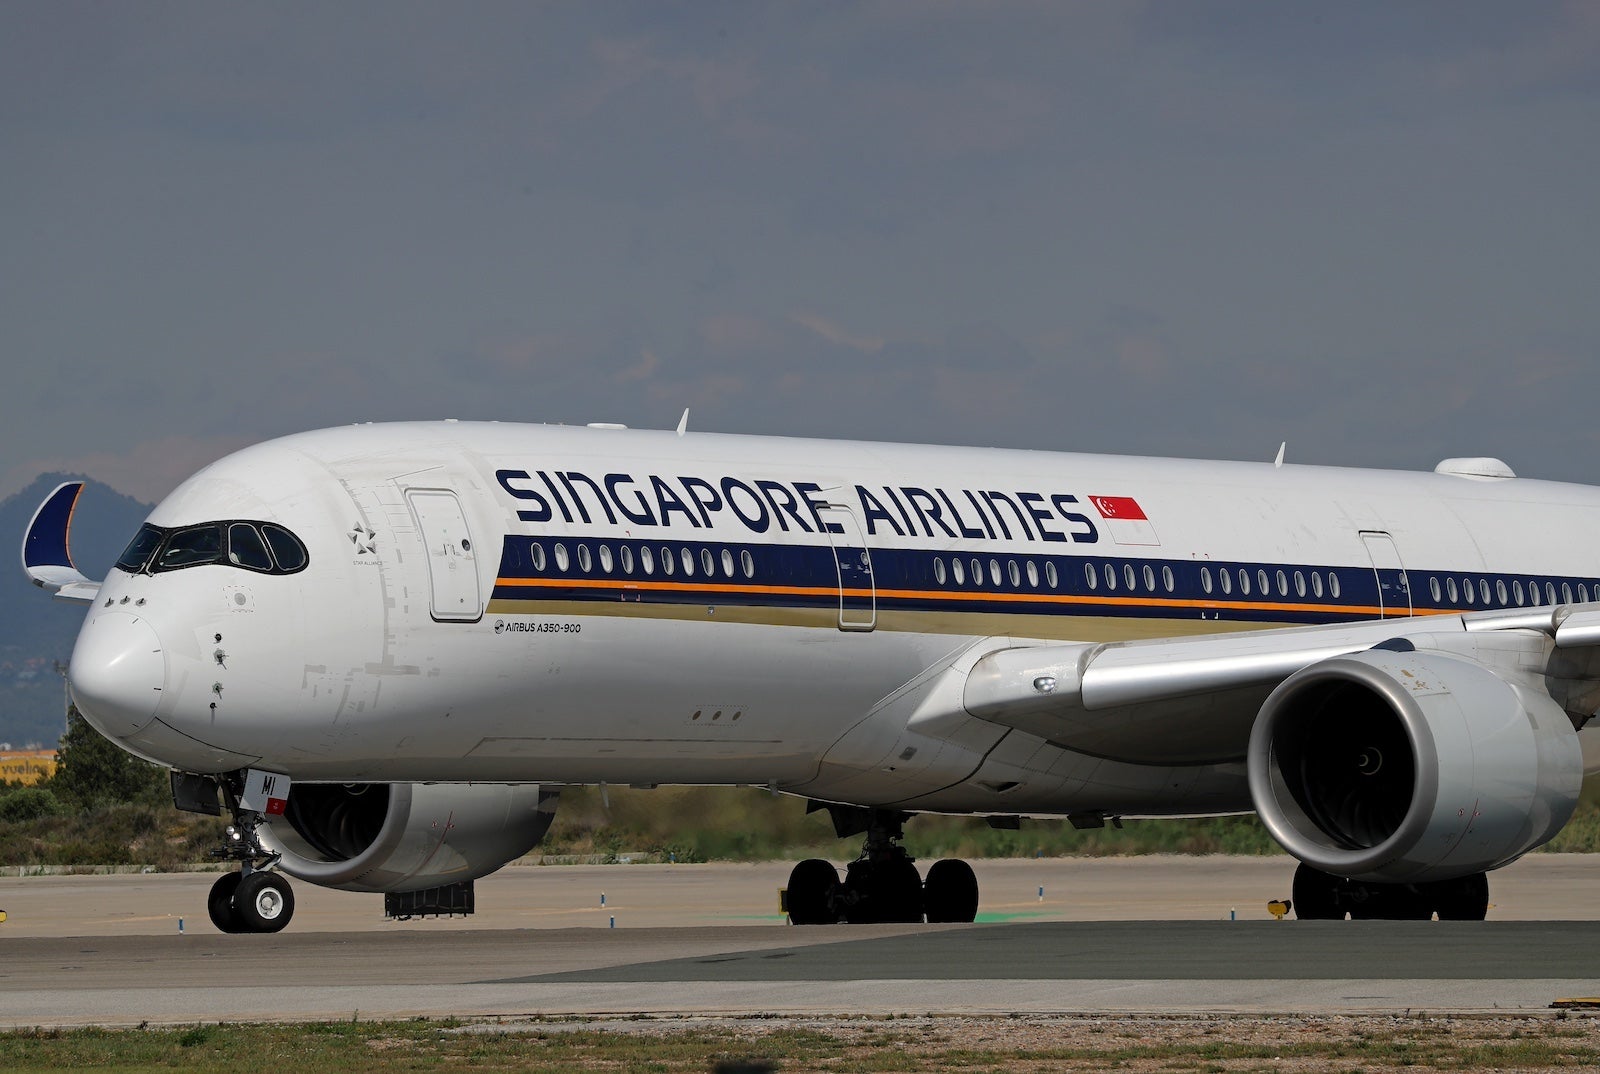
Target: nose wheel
x,y
256,898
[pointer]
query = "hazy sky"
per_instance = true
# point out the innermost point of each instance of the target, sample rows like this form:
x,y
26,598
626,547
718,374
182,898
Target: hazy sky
x,y
1176,228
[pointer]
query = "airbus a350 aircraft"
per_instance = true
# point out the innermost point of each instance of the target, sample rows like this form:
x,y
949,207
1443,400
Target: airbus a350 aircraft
x,y
386,647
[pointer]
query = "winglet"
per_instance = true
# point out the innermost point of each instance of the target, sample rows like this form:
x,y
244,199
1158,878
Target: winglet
x,y
46,551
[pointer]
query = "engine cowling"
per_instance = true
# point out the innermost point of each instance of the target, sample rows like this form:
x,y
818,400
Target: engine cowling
x,y
405,836
1411,766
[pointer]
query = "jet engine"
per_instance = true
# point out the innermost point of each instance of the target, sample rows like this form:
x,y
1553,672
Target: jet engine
x,y
399,837
1400,765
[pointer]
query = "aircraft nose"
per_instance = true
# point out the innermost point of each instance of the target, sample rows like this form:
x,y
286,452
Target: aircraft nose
x,y
117,673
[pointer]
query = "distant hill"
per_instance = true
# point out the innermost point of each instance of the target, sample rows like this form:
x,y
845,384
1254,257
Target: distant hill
x,y
36,630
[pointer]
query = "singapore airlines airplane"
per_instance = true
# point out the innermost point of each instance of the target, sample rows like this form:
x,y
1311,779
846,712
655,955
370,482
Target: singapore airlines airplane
x,y
385,647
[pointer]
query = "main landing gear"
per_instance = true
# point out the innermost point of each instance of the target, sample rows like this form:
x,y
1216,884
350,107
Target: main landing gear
x,y
881,885
1319,896
256,898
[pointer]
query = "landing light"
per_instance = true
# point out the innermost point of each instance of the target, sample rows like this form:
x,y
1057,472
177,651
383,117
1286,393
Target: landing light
x,y
1045,684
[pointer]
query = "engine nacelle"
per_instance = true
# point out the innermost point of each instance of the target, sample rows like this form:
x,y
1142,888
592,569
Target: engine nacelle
x,y
1408,767
396,837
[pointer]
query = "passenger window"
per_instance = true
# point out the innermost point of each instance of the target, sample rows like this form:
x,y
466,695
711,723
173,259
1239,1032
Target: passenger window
x,y
1167,580
1149,578
1244,582
708,563
994,572
977,571
191,547
727,562
247,549
1516,591
562,562
286,548
1316,584
1033,575
1261,582
958,571
1050,575
1566,593
667,561
1483,590
1549,593
748,562
1500,591
1090,576
605,558
625,554
1450,588
1205,579
1127,576
688,562
1433,587
536,554
1283,585
1333,585
584,560
647,561
1014,573
1111,578
1299,584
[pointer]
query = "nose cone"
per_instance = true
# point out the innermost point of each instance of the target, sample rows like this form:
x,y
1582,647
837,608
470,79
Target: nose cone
x,y
117,673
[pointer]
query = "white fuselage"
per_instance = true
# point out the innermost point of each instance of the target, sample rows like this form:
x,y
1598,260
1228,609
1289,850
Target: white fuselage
x,y
492,603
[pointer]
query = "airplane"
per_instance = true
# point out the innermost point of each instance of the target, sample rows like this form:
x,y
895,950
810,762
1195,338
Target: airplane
x,y
384,648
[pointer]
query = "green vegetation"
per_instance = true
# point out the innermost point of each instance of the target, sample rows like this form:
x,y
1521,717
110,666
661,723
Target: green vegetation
x,y
105,807
922,1044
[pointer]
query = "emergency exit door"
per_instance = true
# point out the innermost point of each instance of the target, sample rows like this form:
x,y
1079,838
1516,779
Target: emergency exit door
x,y
452,559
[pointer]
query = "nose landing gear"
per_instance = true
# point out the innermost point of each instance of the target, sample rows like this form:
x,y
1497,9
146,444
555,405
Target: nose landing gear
x,y
256,898
882,885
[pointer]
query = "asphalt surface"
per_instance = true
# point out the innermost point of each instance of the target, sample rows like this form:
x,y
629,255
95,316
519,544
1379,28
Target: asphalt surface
x,y
689,940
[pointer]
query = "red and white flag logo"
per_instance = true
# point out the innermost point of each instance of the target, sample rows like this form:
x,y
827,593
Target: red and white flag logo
x,y
1125,520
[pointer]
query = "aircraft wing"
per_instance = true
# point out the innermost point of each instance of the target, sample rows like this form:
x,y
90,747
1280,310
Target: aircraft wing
x,y
1193,699
46,551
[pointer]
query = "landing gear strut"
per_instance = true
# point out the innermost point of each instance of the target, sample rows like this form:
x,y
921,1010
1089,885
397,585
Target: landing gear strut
x,y
256,898
1321,896
882,885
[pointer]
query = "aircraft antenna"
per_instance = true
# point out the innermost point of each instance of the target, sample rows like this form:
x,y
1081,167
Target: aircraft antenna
x,y
683,422
1278,462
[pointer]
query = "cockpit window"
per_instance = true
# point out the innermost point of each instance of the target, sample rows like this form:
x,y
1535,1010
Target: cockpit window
x,y
140,549
246,548
191,547
286,548
256,546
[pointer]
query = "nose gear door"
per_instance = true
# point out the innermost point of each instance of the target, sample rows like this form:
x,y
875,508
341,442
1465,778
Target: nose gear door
x,y
452,559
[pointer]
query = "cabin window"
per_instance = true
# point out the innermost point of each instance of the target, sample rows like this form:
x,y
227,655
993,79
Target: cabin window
x,y
668,561
625,554
1111,578
1244,582
688,562
1014,573
1516,591
536,556
977,571
959,571
1261,581
1451,591
1127,576
994,572
1566,593
605,558
1500,591
1033,574
1333,585
1050,575
727,562
1283,585
1433,587
708,563
1205,579
1299,584
1549,593
1226,578
748,562
1583,593
647,560
1167,580
1316,584
938,570
1483,590
1091,576
1467,591
562,562
585,562
1149,578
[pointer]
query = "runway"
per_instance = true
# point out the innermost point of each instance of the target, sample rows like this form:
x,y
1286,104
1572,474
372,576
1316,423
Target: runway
x,y
705,940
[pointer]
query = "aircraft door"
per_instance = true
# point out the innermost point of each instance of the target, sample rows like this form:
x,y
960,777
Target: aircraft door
x,y
1394,588
858,590
452,557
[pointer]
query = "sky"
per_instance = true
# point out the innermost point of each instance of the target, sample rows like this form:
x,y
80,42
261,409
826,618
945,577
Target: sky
x,y
1371,230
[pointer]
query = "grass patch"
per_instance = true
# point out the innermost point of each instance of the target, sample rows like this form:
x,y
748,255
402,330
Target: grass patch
x,y
866,1045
